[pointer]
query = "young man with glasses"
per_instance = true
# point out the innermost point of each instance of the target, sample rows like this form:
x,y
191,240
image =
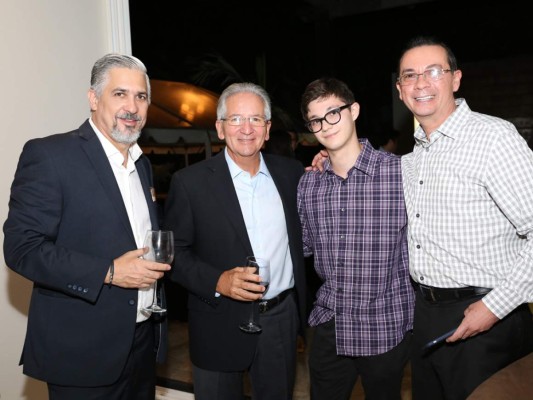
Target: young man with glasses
x,y
354,222
469,192
237,204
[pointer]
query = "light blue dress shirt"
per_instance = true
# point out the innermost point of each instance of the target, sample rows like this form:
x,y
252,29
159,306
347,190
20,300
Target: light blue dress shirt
x,y
264,217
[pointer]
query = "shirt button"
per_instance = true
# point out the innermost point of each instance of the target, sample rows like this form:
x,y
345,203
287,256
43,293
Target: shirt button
x,y
421,182
417,246
417,215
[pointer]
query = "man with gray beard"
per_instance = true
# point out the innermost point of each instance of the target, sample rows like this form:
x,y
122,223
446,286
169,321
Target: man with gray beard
x,y
80,206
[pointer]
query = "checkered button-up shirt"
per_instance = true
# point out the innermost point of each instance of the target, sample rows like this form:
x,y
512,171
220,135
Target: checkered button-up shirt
x,y
469,196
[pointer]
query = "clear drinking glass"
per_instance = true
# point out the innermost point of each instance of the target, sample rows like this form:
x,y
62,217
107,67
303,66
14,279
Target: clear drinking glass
x,y
262,266
160,249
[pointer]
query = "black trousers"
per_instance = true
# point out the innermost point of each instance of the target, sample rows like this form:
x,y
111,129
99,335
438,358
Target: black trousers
x,y
272,371
452,371
137,381
333,377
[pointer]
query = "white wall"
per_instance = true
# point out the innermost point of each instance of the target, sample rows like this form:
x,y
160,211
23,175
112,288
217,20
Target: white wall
x,y
47,49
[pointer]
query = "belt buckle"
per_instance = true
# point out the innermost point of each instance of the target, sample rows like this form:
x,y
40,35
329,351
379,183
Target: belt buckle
x,y
263,306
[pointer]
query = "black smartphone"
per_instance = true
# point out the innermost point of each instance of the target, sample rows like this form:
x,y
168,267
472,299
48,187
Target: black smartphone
x,y
438,340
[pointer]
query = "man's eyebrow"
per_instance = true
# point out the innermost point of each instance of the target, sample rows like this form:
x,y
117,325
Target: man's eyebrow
x,y
124,90
119,89
426,67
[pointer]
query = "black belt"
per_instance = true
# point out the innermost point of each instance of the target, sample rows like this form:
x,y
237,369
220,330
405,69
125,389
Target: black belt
x,y
436,295
265,305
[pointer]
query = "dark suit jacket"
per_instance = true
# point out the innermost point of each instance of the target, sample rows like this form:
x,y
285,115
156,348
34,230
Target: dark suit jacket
x,y
210,233
66,223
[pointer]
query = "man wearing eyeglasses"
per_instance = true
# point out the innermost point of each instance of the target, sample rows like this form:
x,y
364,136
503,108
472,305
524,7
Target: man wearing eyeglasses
x,y
354,222
469,192
237,204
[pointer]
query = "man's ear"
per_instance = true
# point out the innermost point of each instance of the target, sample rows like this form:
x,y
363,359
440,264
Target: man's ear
x,y
457,75
93,100
220,130
355,108
398,87
268,125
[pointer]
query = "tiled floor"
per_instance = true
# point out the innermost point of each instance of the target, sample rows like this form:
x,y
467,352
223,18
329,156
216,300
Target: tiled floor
x,y
176,373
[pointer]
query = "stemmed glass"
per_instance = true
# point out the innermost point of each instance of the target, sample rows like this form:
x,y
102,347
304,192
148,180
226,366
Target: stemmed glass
x,y
262,266
160,249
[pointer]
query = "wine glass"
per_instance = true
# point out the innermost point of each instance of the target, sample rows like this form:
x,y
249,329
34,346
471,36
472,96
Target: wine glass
x,y
262,266
160,249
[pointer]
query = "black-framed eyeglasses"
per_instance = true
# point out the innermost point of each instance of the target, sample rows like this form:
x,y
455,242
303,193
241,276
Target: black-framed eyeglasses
x,y
430,74
332,117
238,120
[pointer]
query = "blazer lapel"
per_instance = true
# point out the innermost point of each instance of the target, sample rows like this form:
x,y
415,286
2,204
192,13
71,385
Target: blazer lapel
x,y
279,179
223,189
145,174
283,185
97,157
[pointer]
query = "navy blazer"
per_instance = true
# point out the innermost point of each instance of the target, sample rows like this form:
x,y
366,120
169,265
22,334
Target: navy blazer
x,y
203,210
66,223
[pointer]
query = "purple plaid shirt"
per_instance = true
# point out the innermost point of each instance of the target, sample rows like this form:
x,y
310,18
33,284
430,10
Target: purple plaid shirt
x,y
357,230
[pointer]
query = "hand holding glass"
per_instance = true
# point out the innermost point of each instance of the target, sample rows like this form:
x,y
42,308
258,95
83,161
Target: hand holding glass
x,y
160,246
263,270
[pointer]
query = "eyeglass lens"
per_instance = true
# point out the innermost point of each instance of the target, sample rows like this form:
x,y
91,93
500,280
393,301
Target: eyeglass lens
x,y
332,117
238,120
433,74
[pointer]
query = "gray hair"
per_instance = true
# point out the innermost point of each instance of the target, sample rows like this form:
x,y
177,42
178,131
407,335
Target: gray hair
x,y
243,87
100,71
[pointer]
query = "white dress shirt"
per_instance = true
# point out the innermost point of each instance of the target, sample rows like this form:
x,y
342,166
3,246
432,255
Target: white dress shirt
x,y
131,189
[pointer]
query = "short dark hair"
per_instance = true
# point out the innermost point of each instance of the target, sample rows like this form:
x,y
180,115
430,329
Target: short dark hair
x,y
419,41
323,88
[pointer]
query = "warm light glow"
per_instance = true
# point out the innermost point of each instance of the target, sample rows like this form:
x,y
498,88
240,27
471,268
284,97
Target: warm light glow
x,y
191,105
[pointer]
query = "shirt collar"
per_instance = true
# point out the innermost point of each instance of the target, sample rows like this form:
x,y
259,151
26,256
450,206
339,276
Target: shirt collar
x,y
449,126
365,163
111,151
235,170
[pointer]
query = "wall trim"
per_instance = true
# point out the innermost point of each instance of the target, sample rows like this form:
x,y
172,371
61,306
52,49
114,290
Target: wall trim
x,y
119,25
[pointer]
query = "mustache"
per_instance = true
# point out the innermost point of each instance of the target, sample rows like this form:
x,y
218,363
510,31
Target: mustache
x,y
128,115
